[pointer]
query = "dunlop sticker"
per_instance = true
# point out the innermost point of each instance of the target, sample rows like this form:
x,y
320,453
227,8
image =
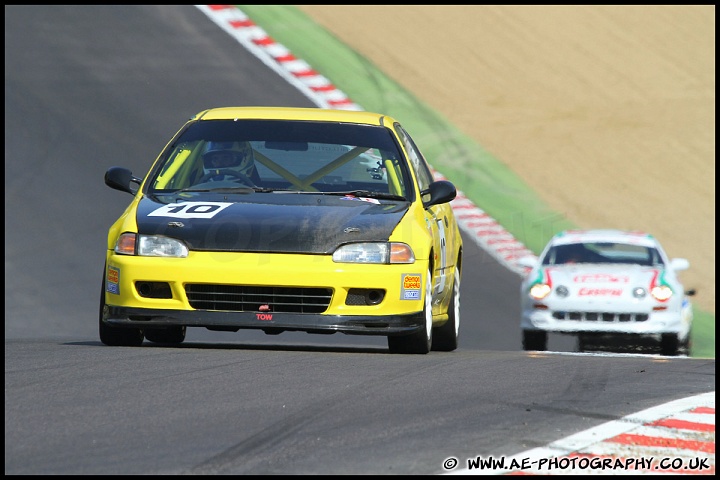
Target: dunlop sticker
x,y
410,288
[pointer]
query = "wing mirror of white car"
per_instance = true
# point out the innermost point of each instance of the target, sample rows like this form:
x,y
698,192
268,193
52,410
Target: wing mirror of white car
x,y
528,261
679,264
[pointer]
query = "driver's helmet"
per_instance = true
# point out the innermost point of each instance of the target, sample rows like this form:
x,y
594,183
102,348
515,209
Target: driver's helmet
x,y
572,253
235,156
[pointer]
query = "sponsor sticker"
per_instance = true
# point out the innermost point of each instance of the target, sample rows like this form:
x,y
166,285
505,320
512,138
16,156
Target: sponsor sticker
x,y
361,199
411,295
600,292
410,288
112,280
601,278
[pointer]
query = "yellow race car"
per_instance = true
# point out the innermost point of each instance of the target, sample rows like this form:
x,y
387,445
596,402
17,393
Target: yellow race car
x,y
285,219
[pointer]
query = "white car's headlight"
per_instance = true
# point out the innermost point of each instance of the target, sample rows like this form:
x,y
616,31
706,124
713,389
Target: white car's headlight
x,y
661,292
150,246
540,291
374,252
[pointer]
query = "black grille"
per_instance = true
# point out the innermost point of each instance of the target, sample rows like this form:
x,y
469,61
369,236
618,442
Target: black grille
x,y
607,317
241,298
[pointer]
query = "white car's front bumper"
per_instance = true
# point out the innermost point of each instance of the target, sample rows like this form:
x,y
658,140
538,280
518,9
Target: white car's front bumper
x,y
578,321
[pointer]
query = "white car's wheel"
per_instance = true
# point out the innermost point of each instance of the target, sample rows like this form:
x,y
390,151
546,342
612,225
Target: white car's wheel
x,y
669,344
534,340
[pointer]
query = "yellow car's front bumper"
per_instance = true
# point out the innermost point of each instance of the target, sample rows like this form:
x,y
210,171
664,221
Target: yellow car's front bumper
x,y
272,292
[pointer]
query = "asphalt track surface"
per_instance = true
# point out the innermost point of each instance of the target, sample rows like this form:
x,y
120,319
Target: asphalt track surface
x,y
87,88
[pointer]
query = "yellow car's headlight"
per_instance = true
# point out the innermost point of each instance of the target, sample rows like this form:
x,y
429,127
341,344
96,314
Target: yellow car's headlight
x,y
374,252
150,246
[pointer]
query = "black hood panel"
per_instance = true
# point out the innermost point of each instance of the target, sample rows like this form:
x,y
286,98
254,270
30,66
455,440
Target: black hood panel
x,y
269,222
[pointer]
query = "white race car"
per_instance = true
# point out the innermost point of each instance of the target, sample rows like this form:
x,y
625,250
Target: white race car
x,y
605,284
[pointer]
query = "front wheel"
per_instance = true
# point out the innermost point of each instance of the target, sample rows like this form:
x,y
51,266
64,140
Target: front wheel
x,y
534,340
420,341
669,344
116,336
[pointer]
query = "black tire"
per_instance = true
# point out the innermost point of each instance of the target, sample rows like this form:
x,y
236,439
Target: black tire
x,y
419,342
166,334
534,340
669,344
445,337
116,336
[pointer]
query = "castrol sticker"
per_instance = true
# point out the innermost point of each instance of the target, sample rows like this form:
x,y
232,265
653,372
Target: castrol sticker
x,y
410,288
190,210
600,292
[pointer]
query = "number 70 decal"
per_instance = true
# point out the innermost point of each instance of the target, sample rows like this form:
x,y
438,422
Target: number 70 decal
x,y
190,210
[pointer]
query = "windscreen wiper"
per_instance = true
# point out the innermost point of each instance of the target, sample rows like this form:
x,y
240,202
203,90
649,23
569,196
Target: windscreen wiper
x,y
243,189
349,193
368,194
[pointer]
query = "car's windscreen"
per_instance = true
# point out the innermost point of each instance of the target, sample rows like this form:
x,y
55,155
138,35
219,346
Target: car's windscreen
x,y
602,252
283,156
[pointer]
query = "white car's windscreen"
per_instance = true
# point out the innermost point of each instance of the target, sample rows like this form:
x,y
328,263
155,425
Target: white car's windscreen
x,y
602,252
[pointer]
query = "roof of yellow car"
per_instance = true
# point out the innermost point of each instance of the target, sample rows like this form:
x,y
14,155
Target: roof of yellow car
x,y
295,113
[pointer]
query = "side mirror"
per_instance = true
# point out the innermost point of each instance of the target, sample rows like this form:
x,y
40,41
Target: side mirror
x,y
120,178
679,264
528,261
440,192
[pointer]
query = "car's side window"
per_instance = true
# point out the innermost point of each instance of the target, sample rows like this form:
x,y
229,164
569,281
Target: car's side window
x,y
417,161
